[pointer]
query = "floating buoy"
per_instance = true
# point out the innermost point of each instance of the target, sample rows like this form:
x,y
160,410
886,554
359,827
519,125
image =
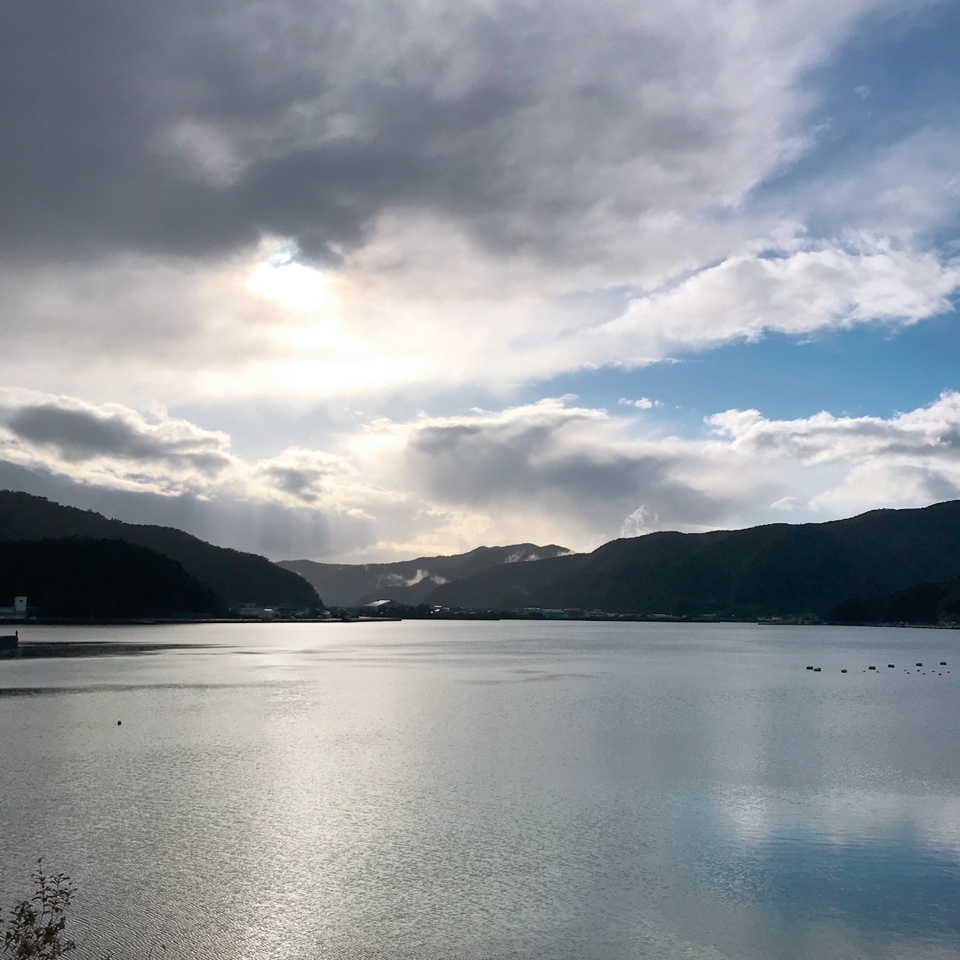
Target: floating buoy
x,y
809,668
119,722
943,663
919,664
871,668
890,666
843,671
816,669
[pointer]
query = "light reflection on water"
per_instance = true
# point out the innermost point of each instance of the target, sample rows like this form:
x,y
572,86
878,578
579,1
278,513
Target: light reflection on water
x,y
491,790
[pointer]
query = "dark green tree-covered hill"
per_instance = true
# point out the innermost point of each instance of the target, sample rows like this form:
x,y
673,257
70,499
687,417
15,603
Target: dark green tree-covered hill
x,y
775,570
234,577
79,577
925,603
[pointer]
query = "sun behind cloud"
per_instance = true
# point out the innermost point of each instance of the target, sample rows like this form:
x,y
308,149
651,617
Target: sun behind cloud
x,y
297,286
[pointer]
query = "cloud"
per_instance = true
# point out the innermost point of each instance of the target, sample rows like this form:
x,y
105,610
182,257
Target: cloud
x,y
116,447
398,580
548,472
547,455
823,286
78,433
905,188
163,128
640,522
929,433
910,459
145,331
110,443
787,503
219,207
479,188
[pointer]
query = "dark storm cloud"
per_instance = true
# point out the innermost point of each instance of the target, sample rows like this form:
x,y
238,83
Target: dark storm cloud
x,y
89,90
483,464
294,481
304,483
79,435
309,120
539,463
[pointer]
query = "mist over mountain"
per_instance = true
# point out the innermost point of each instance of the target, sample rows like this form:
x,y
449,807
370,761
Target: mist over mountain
x,y
775,570
234,577
410,581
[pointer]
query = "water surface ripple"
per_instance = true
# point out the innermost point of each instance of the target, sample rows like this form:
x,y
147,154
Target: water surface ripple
x,y
482,790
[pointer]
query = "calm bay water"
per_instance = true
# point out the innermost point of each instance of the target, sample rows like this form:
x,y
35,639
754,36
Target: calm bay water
x,y
531,791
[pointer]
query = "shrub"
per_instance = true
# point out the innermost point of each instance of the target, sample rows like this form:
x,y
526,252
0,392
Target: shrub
x,y
35,927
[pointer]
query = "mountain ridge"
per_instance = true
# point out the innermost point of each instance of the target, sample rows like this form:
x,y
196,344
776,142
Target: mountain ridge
x,y
235,577
825,570
769,570
409,581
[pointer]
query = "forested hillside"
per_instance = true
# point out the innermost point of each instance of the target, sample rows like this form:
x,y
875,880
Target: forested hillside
x,y
775,570
233,576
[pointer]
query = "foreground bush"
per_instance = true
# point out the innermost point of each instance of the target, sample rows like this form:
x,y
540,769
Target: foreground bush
x,y
36,926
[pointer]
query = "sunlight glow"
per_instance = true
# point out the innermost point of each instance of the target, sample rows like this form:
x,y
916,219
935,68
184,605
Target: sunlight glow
x,y
324,338
292,284
310,350
342,376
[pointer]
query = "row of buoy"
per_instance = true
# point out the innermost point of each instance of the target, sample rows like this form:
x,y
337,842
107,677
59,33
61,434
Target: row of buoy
x,y
890,666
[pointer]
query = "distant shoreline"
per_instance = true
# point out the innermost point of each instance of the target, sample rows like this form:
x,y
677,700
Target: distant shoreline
x,y
13,625
174,621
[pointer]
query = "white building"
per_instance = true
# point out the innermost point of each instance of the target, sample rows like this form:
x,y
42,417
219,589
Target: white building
x,y
17,612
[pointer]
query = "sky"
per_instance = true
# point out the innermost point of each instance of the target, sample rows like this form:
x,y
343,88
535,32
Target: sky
x,y
364,280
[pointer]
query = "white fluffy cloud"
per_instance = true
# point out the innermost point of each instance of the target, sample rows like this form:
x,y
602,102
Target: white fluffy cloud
x,y
550,471
910,459
796,291
929,434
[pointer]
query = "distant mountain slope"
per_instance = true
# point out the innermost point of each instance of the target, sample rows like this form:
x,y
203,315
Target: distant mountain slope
x,y
408,581
233,576
776,570
79,577
506,588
